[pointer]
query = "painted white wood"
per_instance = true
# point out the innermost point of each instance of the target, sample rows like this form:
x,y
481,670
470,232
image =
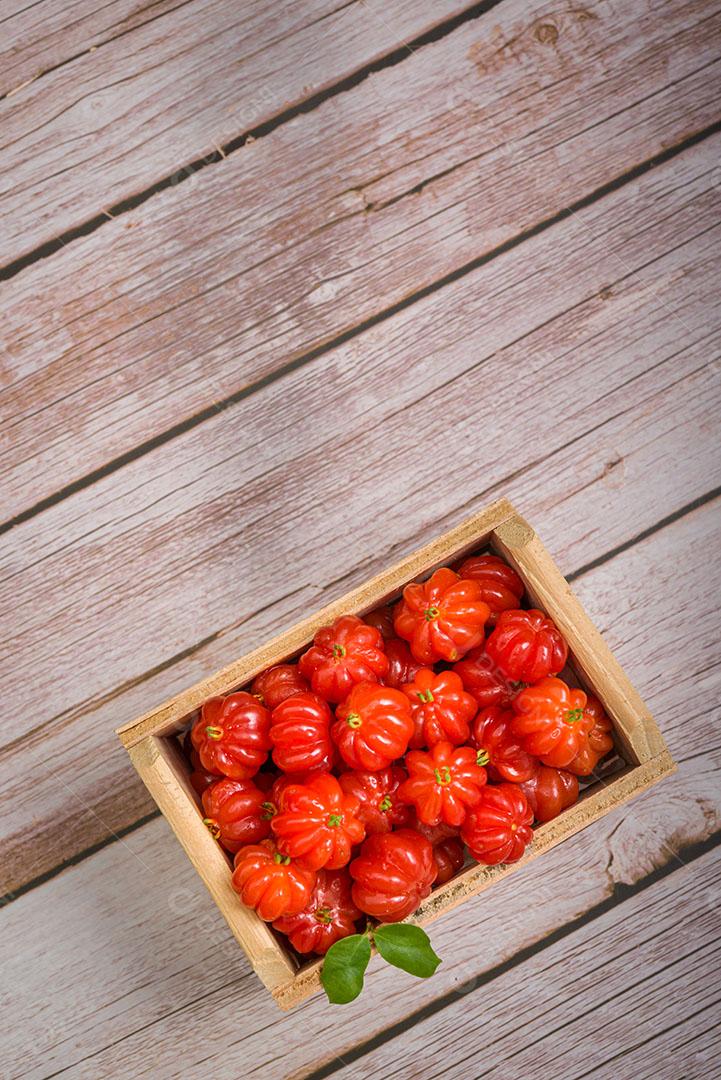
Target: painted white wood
x,y
160,93
222,280
39,36
578,373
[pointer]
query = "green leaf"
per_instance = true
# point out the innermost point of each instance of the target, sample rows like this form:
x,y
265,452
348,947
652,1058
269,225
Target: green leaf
x,y
344,967
407,947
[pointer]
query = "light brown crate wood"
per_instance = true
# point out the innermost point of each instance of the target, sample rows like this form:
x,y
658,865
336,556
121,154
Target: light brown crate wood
x,y
158,760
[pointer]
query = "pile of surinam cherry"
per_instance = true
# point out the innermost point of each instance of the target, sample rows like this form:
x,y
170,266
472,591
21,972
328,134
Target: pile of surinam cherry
x,y
350,783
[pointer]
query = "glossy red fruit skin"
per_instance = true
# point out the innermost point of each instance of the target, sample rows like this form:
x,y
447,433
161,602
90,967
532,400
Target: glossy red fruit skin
x,y
342,655
442,618
484,680
402,665
502,588
440,707
449,855
382,619
443,783
373,727
599,742
393,874
501,751
550,791
316,823
379,809
270,882
232,735
200,778
498,828
300,734
284,781
550,721
330,915
526,646
434,833
237,813
277,683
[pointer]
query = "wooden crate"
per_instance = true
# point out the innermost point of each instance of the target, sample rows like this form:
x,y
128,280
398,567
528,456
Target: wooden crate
x,y
154,750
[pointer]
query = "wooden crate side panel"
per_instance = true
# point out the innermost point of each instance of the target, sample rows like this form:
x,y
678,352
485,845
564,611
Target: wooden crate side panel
x,y
594,803
466,537
636,729
600,799
164,776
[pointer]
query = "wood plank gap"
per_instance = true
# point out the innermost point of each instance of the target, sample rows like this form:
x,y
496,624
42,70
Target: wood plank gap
x,y
73,860
689,508
92,48
209,411
627,1050
621,893
180,175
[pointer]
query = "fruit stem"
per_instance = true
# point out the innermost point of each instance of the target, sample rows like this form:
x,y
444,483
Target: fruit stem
x,y
573,716
213,826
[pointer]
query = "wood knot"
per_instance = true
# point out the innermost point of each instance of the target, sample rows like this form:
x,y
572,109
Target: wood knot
x,y
546,33
613,471
606,292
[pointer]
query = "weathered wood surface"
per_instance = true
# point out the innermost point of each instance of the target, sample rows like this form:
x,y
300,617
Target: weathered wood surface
x,y
139,897
167,91
634,993
38,37
133,330
373,338
163,572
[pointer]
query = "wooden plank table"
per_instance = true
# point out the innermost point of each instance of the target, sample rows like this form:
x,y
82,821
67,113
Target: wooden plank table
x,y
286,291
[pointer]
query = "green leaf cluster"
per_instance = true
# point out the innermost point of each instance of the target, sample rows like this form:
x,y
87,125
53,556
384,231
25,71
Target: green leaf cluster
x,y
401,944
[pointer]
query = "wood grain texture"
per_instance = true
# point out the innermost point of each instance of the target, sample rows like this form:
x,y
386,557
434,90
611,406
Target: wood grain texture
x,y
37,37
578,373
155,577
156,760
169,91
604,1000
140,326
